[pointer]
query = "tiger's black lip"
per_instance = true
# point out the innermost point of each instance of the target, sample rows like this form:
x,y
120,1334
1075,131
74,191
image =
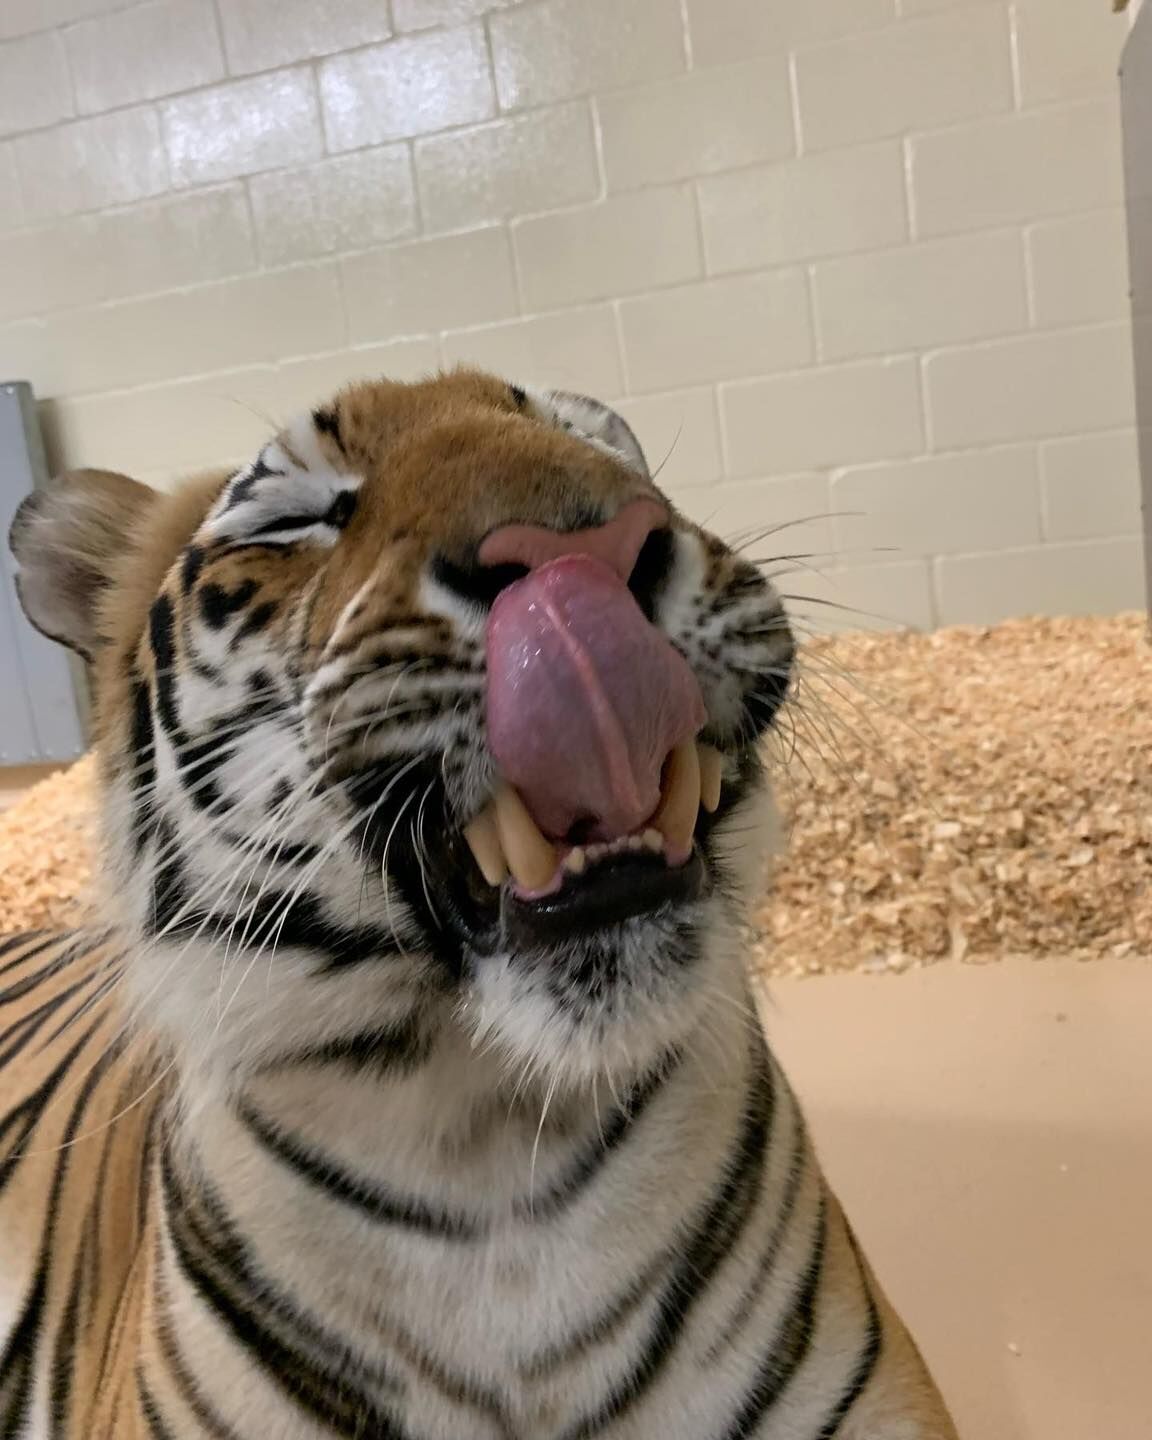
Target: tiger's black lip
x,y
624,887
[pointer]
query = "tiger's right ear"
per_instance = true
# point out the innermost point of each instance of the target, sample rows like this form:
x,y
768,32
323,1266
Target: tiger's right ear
x,y
65,537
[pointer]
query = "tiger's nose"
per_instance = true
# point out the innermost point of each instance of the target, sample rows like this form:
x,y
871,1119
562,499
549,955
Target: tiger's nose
x,y
617,543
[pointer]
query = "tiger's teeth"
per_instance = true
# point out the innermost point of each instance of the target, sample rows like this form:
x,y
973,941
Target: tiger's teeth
x,y
531,858
483,837
680,804
652,840
576,862
711,773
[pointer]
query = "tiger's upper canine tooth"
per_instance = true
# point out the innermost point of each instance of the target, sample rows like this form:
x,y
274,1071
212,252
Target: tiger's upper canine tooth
x,y
711,773
680,803
531,858
483,837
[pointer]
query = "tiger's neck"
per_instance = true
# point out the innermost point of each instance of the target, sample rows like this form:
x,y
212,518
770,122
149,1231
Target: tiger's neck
x,y
341,1221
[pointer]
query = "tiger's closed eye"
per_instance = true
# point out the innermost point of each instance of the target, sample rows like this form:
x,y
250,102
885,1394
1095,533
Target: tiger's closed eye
x,y
290,493
336,517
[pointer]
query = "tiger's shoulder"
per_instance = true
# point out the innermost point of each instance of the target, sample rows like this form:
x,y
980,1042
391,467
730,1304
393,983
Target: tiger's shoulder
x,y
79,1104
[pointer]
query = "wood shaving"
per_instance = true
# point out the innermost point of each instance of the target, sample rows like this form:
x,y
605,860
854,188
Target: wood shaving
x,y
46,851
967,795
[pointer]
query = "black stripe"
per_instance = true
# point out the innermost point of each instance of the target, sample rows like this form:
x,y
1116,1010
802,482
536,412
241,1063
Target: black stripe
x,y
144,1187
61,959
287,852
369,1198
313,1369
581,1173
27,942
599,1329
162,638
341,510
17,1363
191,566
334,1378
22,1120
390,834
869,1355
203,756
19,988
284,522
64,1359
790,1345
157,1426
256,620
715,1234
205,753
276,920
182,1377
383,1049
21,1031
105,985
93,1224
142,777
28,946
218,605
422,666
169,907
247,481
326,418
798,1170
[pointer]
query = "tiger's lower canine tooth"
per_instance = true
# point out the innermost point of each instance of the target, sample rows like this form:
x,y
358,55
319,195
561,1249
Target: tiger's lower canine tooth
x,y
711,773
531,858
680,804
483,837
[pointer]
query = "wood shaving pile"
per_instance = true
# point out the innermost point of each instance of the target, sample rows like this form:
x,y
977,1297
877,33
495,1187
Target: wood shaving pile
x,y
46,851
968,794
972,793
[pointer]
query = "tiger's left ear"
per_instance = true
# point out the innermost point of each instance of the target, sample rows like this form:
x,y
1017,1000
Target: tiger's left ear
x,y
65,537
595,421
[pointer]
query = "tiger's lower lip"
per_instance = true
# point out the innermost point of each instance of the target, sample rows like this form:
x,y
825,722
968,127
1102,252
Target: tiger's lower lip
x,y
633,884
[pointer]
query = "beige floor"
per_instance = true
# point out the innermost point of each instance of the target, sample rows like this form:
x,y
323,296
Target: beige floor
x,y
990,1133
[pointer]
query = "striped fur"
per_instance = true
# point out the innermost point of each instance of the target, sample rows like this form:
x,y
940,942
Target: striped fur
x,y
286,1151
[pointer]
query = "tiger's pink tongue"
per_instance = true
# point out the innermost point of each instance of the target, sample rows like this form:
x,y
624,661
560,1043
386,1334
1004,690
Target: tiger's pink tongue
x,y
585,699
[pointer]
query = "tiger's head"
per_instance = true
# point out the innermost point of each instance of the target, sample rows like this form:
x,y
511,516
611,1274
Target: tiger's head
x,y
433,719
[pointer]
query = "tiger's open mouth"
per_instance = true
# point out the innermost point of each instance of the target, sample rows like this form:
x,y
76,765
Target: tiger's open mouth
x,y
592,720
552,888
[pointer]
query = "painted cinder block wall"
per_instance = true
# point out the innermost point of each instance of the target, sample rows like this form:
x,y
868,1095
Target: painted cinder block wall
x,y
858,260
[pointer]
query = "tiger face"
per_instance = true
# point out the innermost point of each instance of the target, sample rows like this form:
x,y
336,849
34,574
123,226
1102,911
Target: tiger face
x,y
429,724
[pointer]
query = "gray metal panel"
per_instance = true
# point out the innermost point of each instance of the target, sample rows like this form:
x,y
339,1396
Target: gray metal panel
x,y
1136,94
39,707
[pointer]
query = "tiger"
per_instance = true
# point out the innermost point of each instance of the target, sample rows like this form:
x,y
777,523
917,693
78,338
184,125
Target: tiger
x,y
406,1080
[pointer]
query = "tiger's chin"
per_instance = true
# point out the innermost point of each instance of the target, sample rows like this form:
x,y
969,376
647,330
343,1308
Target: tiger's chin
x,y
617,1002
608,967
